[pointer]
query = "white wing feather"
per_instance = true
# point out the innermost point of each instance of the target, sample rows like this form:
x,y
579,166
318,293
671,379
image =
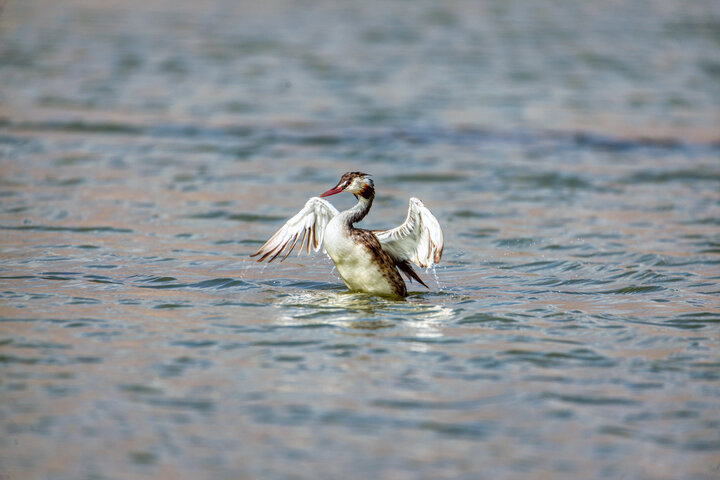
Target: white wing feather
x,y
419,239
309,224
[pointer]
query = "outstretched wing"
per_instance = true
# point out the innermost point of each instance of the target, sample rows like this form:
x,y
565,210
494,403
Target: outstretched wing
x,y
419,239
309,224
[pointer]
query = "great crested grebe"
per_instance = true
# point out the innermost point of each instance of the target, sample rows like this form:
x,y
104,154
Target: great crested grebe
x,y
368,261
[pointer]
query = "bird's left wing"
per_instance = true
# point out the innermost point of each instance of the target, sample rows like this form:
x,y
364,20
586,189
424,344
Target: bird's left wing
x,y
419,239
309,224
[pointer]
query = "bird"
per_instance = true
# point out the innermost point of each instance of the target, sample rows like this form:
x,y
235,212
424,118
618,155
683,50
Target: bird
x,y
369,261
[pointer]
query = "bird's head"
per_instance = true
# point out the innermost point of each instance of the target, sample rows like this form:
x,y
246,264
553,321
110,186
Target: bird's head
x,y
358,183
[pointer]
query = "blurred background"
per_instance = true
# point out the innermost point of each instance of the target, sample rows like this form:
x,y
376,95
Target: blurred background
x,y
570,150
637,69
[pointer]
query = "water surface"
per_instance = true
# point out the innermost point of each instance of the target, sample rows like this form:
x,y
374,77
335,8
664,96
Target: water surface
x,y
570,152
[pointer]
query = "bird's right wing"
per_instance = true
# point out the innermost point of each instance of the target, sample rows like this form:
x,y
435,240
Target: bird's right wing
x,y
418,240
310,223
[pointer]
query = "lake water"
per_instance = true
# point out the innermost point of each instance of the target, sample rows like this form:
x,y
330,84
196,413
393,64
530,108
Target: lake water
x,y
570,150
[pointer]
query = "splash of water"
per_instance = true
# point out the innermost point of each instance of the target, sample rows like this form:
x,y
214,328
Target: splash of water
x,y
441,287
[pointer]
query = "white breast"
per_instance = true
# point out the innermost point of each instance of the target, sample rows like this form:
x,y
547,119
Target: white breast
x,y
354,262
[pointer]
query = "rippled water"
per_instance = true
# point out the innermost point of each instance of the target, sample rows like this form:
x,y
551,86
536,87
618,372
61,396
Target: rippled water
x,y
570,152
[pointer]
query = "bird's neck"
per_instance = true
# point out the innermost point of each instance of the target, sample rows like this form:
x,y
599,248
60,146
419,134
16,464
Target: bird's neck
x,y
359,211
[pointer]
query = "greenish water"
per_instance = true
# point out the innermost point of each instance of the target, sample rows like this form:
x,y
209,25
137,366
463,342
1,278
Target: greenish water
x,y
570,152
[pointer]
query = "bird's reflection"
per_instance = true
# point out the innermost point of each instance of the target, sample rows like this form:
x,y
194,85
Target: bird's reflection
x,y
361,311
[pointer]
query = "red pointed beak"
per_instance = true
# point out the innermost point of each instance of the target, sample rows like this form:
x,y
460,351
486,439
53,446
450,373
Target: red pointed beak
x,y
332,191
